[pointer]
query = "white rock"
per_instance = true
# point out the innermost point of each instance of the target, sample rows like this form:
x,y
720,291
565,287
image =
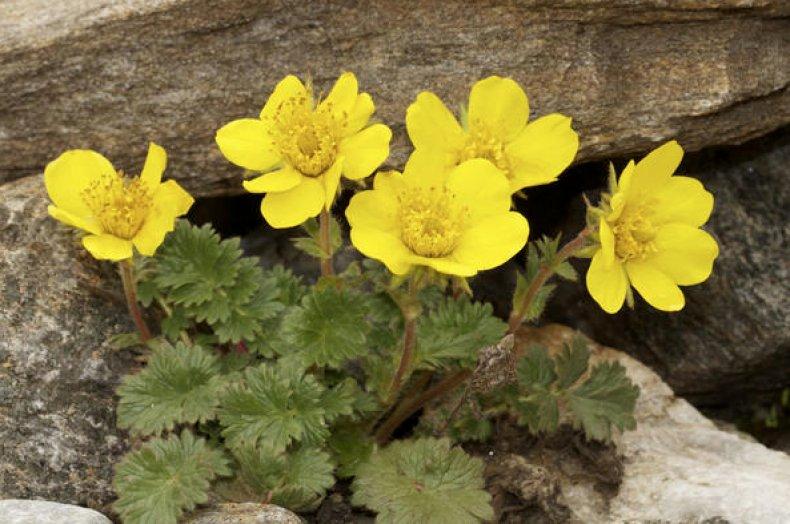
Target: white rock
x,y
15,511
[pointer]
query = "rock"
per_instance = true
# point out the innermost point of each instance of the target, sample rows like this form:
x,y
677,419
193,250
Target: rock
x,y
113,75
57,372
678,467
44,512
245,513
732,340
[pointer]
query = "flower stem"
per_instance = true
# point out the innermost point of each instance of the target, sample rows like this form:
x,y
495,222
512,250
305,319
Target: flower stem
x,y
410,310
326,244
130,291
544,273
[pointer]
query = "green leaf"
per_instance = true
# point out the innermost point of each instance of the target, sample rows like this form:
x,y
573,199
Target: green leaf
x,y
423,480
289,288
162,479
454,333
540,411
572,362
607,398
328,328
181,384
124,340
276,405
351,446
311,244
536,369
296,479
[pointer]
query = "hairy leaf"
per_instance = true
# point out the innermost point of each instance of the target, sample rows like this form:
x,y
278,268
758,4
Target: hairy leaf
x,y
572,362
351,446
162,479
536,369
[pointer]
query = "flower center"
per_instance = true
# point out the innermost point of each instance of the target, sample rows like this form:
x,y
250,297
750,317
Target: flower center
x,y
481,143
634,234
307,138
119,204
431,220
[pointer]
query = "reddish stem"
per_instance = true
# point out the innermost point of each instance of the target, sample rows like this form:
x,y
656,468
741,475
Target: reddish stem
x,y
326,244
130,291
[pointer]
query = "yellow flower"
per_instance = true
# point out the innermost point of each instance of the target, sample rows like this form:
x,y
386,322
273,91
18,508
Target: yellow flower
x,y
302,148
650,237
457,222
117,211
496,129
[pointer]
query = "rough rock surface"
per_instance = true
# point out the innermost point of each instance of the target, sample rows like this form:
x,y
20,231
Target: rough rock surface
x,y
57,373
678,466
44,512
246,513
113,75
732,340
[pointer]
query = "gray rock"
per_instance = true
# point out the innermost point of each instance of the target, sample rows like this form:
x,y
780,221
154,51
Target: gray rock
x,y
44,512
246,513
113,75
57,373
678,467
732,340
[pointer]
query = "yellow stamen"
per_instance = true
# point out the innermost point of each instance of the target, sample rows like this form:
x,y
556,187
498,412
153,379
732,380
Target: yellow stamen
x,y
634,233
119,204
431,220
481,143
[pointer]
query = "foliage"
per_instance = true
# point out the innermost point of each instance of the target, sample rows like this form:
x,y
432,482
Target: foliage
x,y
162,479
423,480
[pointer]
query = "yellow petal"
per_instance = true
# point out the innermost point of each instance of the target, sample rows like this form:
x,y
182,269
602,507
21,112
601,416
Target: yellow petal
x,y
620,197
431,125
289,88
684,253
67,177
606,236
155,164
85,223
376,209
170,198
498,105
331,180
343,96
382,246
607,283
656,287
108,247
247,144
492,241
653,171
365,151
682,199
153,232
445,265
390,181
542,151
291,208
360,114
481,187
426,167
275,181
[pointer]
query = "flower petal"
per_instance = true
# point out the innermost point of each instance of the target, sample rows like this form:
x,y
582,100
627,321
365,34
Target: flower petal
x,y
492,241
171,199
607,283
653,171
426,167
656,287
382,246
274,181
153,232
374,209
390,181
684,253
480,186
291,208
682,199
155,164
542,151
87,224
288,88
108,247
498,105
331,180
365,151
360,114
431,125
343,96
606,236
445,265
67,177
620,197
247,144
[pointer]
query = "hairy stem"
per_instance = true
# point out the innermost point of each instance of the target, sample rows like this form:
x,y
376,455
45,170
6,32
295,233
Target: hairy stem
x,y
410,407
130,291
405,360
326,244
544,273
